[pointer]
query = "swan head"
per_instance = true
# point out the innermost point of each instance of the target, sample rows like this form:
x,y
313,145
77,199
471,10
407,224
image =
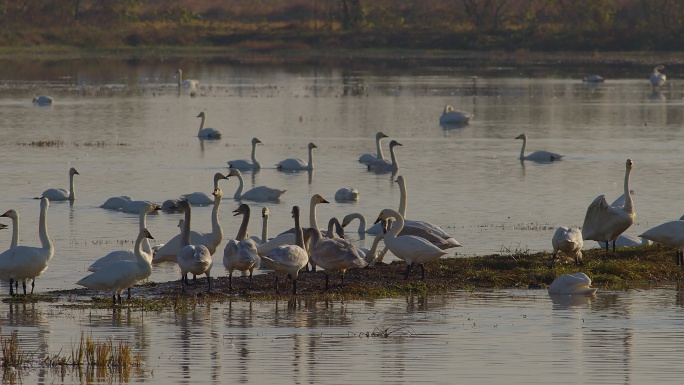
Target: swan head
x,y
12,214
149,207
522,136
265,212
183,205
628,164
218,176
318,198
395,143
72,171
146,234
295,211
312,146
387,214
218,193
201,115
255,141
243,209
380,135
659,67
448,108
347,220
233,172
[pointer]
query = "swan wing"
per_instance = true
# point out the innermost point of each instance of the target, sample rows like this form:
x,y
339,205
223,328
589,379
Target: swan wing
x,y
669,233
263,193
280,240
199,198
603,222
367,158
114,256
240,164
56,194
292,164
543,156
118,275
22,262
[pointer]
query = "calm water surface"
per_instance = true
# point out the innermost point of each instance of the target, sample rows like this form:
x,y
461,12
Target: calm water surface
x,y
128,132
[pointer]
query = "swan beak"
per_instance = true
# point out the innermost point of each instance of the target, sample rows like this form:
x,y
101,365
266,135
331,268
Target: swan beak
x,y
323,200
157,207
379,219
519,137
6,214
236,212
257,141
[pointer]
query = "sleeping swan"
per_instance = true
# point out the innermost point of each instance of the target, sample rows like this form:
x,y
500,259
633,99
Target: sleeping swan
x,y
452,116
577,283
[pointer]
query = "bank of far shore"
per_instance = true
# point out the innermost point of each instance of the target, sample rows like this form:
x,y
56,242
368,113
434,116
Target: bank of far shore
x,y
642,266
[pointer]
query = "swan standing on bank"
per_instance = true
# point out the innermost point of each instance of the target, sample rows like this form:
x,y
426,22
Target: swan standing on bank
x,y
242,164
569,241
192,258
296,163
412,249
241,253
369,157
384,165
332,255
288,259
25,262
207,133
573,284
605,223
658,78
169,251
453,116
537,156
123,274
202,199
670,234
257,194
60,194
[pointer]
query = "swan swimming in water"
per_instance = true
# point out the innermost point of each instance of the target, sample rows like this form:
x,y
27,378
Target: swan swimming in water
x,y
296,163
593,79
241,253
537,156
258,194
202,199
116,203
192,258
123,274
573,284
605,223
347,194
60,194
14,216
569,241
658,78
670,234
369,157
242,164
43,100
384,165
207,133
453,116
288,259
189,85
25,262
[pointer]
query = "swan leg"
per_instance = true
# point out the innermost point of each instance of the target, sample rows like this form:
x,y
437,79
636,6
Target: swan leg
x,y
23,285
294,286
194,278
33,285
11,289
119,297
327,279
183,279
129,294
230,281
113,299
209,282
422,271
276,283
342,278
251,272
408,271
613,246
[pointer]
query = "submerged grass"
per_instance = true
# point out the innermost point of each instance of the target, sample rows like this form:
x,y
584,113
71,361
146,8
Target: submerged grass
x,y
12,355
103,354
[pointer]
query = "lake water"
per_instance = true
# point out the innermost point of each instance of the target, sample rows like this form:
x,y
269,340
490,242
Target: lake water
x,y
122,124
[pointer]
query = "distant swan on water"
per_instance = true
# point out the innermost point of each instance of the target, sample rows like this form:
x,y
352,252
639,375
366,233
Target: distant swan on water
x,y
384,165
537,156
189,85
207,133
658,78
453,116
60,194
242,164
43,100
297,163
369,157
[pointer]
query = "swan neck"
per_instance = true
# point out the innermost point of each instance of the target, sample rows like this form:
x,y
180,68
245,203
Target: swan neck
x,y
254,161
185,234
395,163
238,192
629,205
264,230
216,230
180,79
396,227
403,198
143,225
43,232
242,232
310,166
379,148
331,229
522,149
138,248
362,223
376,241
312,215
299,234
72,194
201,125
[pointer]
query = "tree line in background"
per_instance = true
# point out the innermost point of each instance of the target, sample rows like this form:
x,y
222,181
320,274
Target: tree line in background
x,y
433,24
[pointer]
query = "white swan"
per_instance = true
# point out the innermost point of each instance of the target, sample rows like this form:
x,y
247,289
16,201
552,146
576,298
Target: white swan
x,y
264,227
620,201
123,274
24,262
593,79
670,234
169,251
537,156
605,223
192,258
242,164
412,249
658,78
384,165
453,116
60,194
288,237
371,255
241,253
14,216
347,194
288,259
189,85
258,194
628,241
128,255
201,198
332,255
116,203
296,163
43,100
369,157
207,133
573,284
569,241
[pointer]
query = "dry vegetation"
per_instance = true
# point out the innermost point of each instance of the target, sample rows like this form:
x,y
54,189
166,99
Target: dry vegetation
x,y
606,25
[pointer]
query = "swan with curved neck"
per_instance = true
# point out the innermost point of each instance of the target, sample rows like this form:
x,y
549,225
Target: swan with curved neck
x,y
410,248
369,157
169,251
605,223
25,262
60,194
241,253
242,164
658,78
207,133
14,216
332,255
123,274
288,259
258,194
199,198
296,163
384,165
192,258
129,255
450,115
537,156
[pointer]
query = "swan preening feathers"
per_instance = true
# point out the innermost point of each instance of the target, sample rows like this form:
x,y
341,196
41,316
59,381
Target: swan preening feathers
x,y
569,241
573,284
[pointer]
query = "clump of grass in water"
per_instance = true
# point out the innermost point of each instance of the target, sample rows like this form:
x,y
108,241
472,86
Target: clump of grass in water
x,y
12,355
43,143
103,354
